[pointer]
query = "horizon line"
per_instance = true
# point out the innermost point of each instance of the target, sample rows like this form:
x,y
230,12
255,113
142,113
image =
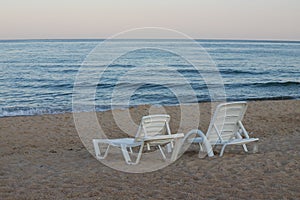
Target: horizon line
x,y
209,39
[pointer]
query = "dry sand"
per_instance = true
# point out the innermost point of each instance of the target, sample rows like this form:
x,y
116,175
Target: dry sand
x,y
42,157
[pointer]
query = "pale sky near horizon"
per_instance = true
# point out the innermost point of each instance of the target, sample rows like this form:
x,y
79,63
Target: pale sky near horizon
x,y
200,19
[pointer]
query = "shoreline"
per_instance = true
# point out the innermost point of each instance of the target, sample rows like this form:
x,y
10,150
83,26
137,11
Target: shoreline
x,y
167,105
42,156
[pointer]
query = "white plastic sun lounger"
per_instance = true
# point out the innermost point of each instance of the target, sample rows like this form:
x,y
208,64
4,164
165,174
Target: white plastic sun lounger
x,y
225,128
154,130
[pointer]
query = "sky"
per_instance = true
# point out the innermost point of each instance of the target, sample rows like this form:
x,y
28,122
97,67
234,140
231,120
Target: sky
x,y
200,19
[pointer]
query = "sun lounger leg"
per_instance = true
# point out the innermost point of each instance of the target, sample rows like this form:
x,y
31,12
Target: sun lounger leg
x,y
208,147
130,149
222,151
238,135
245,148
125,154
138,156
127,157
177,146
202,151
170,146
255,147
162,152
148,147
98,151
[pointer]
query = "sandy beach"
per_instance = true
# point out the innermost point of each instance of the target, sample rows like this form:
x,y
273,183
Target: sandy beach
x,y
42,157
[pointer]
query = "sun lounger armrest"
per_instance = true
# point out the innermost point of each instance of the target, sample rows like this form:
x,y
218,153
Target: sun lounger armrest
x,y
163,137
245,133
203,140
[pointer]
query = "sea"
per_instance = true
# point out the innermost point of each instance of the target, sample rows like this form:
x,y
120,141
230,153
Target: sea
x,y
48,76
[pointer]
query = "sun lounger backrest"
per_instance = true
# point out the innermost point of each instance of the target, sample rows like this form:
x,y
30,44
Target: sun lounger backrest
x,y
153,125
224,124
